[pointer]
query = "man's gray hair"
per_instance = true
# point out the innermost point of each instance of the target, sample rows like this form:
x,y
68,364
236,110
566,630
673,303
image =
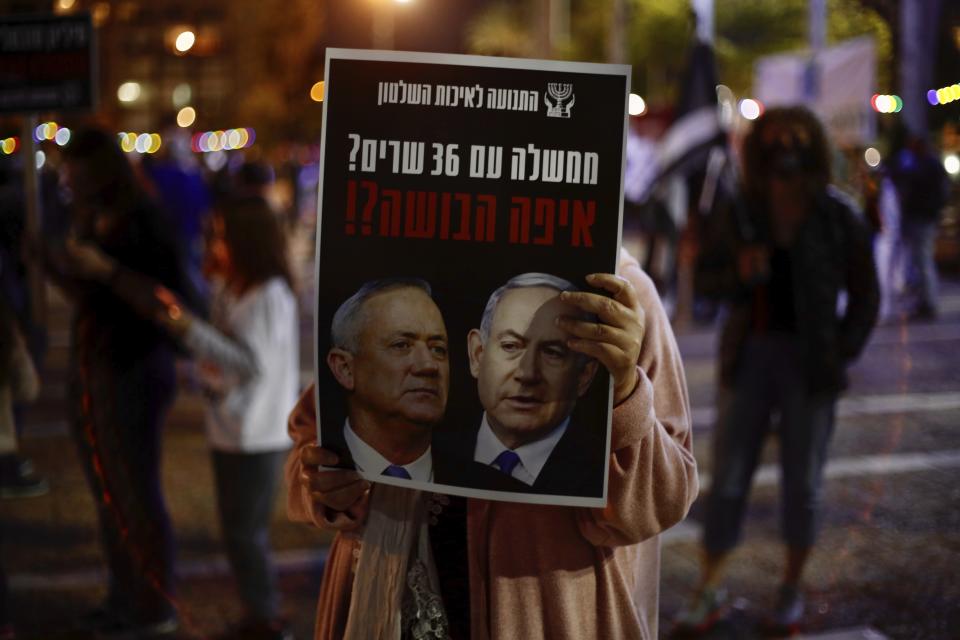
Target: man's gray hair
x,y
348,319
522,281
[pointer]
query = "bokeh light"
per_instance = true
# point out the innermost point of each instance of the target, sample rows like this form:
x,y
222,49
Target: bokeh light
x,y
943,95
750,108
886,103
9,146
62,137
951,164
48,131
128,92
316,91
872,157
636,105
186,116
143,143
139,142
41,159
185,41
228,140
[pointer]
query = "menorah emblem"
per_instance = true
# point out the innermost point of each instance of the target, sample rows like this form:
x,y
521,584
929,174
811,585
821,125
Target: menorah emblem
x,y
563,99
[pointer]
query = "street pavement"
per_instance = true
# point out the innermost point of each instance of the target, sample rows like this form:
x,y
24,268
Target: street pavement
x,y
885,565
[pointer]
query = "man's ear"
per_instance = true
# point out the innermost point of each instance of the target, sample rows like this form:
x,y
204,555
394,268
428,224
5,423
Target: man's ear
x,y
474,351
340,362
585,377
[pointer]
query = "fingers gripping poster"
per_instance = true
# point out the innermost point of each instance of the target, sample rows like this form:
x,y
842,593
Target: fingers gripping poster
x,y
459,196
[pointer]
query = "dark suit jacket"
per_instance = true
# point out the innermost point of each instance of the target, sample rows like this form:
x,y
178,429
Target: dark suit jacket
x,y
575,466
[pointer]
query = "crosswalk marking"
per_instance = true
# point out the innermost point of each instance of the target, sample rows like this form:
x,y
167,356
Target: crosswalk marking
x,y
868,405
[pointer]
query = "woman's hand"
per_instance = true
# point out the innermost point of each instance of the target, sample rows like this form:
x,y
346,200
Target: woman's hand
x,y
338,490
614,340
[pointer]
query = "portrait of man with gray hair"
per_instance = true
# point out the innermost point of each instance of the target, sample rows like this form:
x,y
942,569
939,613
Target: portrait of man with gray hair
x,y
529,381
389,354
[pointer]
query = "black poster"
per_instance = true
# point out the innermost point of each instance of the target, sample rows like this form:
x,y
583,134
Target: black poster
x,y
47,63
445,179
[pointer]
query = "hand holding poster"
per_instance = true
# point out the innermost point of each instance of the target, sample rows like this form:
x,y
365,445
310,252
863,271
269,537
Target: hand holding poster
x,y
459,197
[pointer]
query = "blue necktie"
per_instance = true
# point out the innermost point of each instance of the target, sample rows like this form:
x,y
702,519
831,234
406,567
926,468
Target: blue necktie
x,y
396,471
507,461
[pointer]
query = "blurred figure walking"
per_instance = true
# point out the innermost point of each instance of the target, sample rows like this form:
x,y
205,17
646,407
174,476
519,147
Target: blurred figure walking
x,y
785,258
122,382
922,186
249,367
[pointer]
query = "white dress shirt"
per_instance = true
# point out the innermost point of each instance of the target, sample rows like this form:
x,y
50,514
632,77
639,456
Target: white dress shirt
x,y
533,456
369,461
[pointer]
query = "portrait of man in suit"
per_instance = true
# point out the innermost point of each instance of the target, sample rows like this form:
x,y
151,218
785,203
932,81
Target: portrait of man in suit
x,y
389,355
529,382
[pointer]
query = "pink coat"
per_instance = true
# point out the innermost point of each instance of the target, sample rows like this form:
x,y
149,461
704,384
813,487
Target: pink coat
x,y
561,572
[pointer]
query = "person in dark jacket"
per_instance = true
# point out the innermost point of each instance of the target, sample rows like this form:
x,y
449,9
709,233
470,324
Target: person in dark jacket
x,y
922,188
122,382
791,248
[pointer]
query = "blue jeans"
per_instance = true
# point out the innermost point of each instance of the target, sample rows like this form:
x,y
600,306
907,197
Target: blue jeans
x,y
246,490
920,238
770,379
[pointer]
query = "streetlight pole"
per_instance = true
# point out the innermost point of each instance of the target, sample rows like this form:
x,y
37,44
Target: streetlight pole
x,y
918,36
616,49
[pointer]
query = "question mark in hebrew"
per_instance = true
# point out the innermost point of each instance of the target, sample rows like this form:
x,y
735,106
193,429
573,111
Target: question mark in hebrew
x,y
353,151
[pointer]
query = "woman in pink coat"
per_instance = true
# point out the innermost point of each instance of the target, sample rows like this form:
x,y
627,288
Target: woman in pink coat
x,y
524,571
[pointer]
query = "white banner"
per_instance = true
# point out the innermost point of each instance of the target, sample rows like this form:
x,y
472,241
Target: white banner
x,y
837,85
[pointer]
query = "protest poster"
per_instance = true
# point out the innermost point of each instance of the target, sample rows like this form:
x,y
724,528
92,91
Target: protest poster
x,y
464,172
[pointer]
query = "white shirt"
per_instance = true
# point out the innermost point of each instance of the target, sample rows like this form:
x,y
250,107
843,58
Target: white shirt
x,y
533,456
255,345
369,461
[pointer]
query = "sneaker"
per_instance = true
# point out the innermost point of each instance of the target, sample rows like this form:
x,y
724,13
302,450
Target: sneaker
x,y
702,613
786,617
19,480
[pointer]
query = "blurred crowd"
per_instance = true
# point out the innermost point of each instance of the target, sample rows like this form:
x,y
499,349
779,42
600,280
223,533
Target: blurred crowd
x,y
167,258
907,199
161,261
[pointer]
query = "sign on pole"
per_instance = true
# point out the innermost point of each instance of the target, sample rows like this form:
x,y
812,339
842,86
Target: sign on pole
x,y
47,63
839,92
463,172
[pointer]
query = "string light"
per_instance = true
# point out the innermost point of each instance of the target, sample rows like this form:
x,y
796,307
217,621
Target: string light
x,y
886,103
229,140
943,95
53,132
141,143
9,146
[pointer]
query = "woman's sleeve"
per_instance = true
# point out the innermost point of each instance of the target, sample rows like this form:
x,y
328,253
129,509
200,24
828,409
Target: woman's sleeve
x,y
653,474
302,427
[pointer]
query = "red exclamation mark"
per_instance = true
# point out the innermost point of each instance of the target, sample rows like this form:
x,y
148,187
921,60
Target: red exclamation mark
x,y
366,226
